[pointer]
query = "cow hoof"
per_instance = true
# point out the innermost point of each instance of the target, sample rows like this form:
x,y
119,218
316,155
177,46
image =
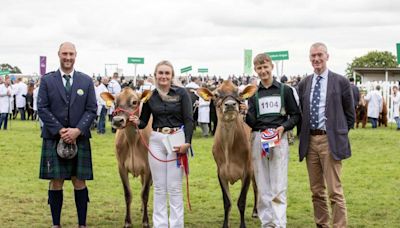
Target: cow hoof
x,y
146,224
254,215
127,225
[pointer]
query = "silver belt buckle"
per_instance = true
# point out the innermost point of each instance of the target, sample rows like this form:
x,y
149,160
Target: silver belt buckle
x,y
165,130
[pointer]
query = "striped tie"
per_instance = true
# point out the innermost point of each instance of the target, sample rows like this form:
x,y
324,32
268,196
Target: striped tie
x,y
68,83
316,96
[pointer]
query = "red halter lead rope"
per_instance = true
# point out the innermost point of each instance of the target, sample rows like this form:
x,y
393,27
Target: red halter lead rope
x,y
181,157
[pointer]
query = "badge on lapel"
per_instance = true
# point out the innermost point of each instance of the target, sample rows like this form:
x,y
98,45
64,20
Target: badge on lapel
x,y
80,92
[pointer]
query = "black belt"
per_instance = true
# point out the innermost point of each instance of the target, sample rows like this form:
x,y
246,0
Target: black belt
x,y
317,132
166,130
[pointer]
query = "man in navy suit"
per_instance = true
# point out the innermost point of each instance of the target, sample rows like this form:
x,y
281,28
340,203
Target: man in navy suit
x,y
67,106
327,106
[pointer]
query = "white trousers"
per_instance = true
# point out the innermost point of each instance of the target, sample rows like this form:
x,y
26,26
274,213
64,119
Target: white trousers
x,y
167,180
271,178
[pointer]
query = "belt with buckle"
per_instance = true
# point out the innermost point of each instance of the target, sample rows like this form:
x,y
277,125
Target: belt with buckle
x,y
166,130
317,132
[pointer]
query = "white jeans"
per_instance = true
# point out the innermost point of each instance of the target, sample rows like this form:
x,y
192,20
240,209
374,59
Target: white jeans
x,y
271,178
167,179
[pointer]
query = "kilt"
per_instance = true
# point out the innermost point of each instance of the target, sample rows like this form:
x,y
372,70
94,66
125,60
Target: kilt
x,y
54,167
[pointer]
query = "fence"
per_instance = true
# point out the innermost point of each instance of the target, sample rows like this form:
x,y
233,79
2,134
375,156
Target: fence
x,y
386,92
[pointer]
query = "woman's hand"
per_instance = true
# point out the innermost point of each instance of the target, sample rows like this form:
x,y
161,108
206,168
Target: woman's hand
x,y
134,119
182,149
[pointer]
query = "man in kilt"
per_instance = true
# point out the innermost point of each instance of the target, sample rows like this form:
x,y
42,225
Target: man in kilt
x,y
67,106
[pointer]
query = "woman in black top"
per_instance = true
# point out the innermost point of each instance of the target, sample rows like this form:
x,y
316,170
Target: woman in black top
x,y
171,109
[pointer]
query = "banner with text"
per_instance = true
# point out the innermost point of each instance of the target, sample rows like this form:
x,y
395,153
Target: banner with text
x,y
42,65
248,66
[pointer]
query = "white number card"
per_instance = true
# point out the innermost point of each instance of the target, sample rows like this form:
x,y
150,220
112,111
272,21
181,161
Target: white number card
x,y
269,104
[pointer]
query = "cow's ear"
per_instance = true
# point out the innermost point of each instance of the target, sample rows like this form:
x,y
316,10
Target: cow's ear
x,y
204,93
108,98
248,92
146,95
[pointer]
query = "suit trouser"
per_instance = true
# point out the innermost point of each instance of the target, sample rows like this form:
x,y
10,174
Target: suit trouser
x,y
22,113
204,128
101,127
3,119
374,122
271,178
397,119
167,180
323,168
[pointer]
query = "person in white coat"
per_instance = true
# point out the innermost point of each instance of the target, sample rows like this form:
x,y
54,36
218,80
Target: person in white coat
x,y
375,105
204,116
396,106
35,99
114,88
5,101
101,106
147,85
21,89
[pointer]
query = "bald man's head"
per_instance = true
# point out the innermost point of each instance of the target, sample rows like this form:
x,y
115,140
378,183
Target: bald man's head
x,y
67,55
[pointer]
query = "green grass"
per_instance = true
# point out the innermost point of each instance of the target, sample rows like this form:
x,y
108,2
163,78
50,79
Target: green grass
x,y
371,179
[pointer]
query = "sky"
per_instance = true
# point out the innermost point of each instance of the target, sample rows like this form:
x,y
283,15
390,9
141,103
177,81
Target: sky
x,y
202,34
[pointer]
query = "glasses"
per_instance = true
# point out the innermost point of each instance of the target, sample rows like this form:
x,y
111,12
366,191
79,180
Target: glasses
x,y
160,72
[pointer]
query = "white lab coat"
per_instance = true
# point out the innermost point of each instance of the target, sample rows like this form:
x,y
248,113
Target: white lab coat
x,y
21,89
204,111
35,98
375,103
5,100
396,104
100,102
146,86
114,88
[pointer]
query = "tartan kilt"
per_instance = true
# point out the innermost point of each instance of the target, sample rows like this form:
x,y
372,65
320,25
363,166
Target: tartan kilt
x,y
54,167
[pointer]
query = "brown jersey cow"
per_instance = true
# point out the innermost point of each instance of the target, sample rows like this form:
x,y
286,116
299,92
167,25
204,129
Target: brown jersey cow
x,y
131,152
231,149
383,120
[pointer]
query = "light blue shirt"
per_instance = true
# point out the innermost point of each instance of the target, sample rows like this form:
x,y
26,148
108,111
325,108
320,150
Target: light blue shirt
x,y
70,74
322,102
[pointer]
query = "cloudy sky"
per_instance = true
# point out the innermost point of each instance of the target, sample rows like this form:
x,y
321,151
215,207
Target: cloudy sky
x,y
204,33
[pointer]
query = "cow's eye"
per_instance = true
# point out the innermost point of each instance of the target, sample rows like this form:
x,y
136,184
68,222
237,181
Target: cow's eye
x,y
134,102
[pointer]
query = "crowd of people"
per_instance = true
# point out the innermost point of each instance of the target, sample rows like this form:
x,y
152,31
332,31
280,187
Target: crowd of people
x,y
322,106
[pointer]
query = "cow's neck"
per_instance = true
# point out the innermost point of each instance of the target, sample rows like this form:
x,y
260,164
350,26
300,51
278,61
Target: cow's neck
x,y
228,130
131,133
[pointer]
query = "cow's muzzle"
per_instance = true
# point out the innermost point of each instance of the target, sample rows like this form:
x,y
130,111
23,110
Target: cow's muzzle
x,y
230,105
118,122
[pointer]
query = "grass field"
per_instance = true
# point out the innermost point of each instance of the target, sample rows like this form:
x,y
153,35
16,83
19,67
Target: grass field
x,y
371,179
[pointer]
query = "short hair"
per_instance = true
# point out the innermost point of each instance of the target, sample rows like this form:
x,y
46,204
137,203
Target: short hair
x,y
69,43
395,86
261,59
351,79
319,44
167,63
378,87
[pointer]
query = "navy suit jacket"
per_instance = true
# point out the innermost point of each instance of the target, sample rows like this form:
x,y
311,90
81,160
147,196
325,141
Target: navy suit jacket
x,y
339,112
57,112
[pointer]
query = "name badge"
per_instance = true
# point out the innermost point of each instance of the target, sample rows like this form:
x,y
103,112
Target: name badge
x,y
269,105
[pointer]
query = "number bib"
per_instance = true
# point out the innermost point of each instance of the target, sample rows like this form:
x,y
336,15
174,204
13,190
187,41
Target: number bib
x,y
269,105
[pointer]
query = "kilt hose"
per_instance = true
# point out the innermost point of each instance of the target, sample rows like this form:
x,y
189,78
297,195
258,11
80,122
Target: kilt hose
x,y
54,167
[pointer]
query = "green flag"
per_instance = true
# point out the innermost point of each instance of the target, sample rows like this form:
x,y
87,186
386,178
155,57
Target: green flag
x,y
248,68
398,53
